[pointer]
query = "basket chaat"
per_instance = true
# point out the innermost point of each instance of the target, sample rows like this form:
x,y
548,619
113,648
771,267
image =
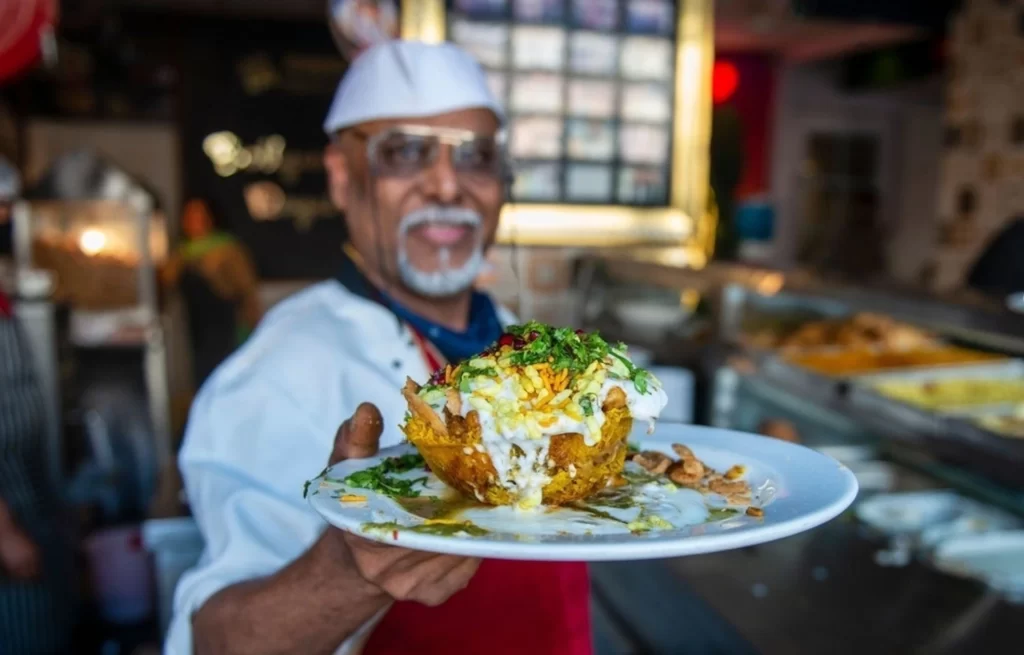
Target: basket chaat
x,y
542,416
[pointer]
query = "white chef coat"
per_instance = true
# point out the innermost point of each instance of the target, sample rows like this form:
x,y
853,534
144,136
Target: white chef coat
x,y
264,423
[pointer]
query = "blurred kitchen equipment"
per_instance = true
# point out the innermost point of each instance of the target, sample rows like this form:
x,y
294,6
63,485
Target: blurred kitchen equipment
x,y
649,319
94,228
176,545
908,514
995,558
678,385
118,474
121,574
1015,302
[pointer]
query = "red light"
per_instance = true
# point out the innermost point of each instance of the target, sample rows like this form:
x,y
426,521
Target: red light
x,y
25,22
725,79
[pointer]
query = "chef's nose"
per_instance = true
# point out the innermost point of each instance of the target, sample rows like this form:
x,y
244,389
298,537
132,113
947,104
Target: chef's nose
x,y
442,182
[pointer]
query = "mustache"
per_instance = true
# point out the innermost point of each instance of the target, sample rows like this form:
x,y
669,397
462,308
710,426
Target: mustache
x,y
439,214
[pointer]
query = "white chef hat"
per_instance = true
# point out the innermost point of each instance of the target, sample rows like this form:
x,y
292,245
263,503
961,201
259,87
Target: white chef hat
x,y
409,79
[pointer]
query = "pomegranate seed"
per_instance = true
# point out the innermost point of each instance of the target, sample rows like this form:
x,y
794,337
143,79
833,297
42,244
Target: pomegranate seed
x,y
506,340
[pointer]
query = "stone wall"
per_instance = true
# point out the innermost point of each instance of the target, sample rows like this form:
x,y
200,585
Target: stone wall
x,y
982,178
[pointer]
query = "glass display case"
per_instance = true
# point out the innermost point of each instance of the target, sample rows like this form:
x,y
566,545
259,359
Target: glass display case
x,y
101,252
88,243
609,114
589,90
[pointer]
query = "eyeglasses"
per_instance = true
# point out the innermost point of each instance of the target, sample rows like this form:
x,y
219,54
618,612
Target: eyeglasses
x,y
407,150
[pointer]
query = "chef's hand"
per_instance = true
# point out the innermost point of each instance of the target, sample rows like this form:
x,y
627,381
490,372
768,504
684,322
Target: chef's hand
x,y
403,574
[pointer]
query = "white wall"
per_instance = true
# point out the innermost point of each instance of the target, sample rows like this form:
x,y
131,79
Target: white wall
x,y
910,117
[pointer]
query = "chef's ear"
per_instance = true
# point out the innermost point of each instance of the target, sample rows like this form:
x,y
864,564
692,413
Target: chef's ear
x,y
337,166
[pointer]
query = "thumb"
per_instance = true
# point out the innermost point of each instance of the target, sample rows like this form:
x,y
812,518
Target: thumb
x,y
359,436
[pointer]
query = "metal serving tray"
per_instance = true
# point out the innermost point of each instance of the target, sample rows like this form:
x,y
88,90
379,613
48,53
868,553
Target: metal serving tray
x,y
863,394
1009,368
950,434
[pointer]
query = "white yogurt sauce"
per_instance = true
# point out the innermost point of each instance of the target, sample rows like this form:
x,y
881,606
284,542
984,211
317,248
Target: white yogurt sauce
x,y
521,460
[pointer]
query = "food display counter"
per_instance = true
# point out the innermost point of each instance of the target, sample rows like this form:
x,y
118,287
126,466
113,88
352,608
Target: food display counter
x,y
920,396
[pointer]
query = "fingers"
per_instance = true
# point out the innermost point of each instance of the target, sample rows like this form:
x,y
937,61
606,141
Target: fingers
x,y
430,580
412,575
359,436
448,584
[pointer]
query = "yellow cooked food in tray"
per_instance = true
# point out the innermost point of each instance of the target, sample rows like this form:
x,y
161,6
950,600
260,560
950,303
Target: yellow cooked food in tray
x,y
1007,426
861,331
953,394
857,362
540,417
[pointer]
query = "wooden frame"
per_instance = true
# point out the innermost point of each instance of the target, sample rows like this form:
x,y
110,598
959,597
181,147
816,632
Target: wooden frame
x,y
689,219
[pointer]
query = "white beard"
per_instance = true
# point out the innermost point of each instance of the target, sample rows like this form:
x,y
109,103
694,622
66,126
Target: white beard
x,y
445,281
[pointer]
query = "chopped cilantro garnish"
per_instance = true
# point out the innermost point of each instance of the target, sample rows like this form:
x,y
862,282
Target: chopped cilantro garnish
x,y
465,373
640,377
563,347
305,486
378,478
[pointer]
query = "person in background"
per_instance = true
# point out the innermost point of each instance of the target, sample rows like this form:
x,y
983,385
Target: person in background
x,y
36,560
416,163
999,270
10,187
218,281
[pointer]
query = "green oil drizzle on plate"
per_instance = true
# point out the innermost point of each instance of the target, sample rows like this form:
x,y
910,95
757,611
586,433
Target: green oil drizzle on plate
x,y
449,506
622,498
437,529
720,513
593,511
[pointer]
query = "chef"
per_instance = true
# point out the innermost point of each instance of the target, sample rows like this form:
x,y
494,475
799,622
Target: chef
x,y
415,162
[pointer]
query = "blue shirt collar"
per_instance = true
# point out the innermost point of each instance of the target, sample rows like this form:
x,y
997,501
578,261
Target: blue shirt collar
x,y
483,329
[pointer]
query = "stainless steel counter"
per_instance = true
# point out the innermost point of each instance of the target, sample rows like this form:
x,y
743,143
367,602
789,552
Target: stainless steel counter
x,y
960,315
822,592
818,592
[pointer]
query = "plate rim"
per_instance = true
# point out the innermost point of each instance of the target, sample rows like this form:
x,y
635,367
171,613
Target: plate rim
x,y
649,548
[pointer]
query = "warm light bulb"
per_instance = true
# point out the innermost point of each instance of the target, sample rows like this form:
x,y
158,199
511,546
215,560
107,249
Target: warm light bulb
x,y
92,241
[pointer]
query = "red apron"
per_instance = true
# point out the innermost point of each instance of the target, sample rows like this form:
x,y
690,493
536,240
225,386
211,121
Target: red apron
x,y
539,608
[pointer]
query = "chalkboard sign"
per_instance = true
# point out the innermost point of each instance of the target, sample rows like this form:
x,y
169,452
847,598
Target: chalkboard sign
x,y
254,97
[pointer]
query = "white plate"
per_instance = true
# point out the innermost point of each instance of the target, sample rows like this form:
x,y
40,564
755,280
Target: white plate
x,y
909,513
797,488
975,520
996,558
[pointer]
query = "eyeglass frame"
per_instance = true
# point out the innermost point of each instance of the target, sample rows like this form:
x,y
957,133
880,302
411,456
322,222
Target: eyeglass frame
x,y
450,136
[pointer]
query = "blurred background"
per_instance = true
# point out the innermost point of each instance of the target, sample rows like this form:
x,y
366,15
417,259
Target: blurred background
x,y
805,215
